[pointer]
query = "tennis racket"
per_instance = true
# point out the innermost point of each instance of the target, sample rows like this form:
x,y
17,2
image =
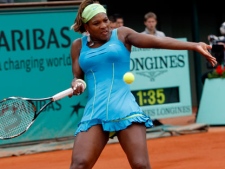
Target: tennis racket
x,y
17,114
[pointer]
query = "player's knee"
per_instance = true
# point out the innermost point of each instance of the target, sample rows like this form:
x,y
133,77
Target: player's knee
x,y
79,163
141,164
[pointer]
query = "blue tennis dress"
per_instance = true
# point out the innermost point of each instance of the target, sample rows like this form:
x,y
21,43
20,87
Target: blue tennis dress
x,y
110,101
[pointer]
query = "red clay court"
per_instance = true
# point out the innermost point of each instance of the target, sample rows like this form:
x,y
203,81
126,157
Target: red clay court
x,y
203,150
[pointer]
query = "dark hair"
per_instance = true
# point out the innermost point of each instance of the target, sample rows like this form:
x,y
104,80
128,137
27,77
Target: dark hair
x,y
78,24
150,15
117,16
112,18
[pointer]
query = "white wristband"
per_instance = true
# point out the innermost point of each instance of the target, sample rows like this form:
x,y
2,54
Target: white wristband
x,y
81,81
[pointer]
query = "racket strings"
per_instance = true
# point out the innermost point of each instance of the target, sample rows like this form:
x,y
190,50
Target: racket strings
x,y
15,116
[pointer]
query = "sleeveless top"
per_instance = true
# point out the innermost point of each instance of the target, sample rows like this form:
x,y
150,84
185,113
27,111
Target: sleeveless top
x,y
110,101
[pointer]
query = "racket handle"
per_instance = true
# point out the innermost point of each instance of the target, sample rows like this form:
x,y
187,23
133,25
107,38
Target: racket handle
x,y
62,94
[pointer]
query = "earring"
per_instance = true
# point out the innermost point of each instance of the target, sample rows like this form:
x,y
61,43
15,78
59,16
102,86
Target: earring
x,y
88,38
91,43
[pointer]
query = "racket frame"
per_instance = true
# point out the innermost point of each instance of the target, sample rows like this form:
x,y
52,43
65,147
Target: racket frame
x,y
36,111
51,99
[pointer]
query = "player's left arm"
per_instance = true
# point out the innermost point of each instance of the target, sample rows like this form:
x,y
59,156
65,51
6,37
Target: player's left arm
x,y
140,40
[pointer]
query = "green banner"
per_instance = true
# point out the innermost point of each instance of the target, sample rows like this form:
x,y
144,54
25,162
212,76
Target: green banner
x,y
35,63
162,81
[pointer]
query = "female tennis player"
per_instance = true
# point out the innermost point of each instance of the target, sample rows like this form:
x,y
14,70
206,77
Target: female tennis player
x,y
101,58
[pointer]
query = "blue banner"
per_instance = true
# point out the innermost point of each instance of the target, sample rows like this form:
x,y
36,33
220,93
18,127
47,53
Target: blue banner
x,y
162,81
35,63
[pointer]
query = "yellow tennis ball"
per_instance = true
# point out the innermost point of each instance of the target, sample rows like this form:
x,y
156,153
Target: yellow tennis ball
x,y
128,78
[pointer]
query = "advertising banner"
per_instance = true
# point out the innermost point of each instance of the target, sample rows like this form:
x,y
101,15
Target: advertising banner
x,y
162,81
35,63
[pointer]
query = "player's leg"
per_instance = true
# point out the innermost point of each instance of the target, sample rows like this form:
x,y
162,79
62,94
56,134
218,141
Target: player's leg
x,y
88,147
133,142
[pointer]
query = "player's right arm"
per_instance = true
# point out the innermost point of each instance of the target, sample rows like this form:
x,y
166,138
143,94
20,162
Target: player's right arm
x,y
76,69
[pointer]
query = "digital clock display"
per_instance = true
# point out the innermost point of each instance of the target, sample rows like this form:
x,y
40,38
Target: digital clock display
x,y
157,96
